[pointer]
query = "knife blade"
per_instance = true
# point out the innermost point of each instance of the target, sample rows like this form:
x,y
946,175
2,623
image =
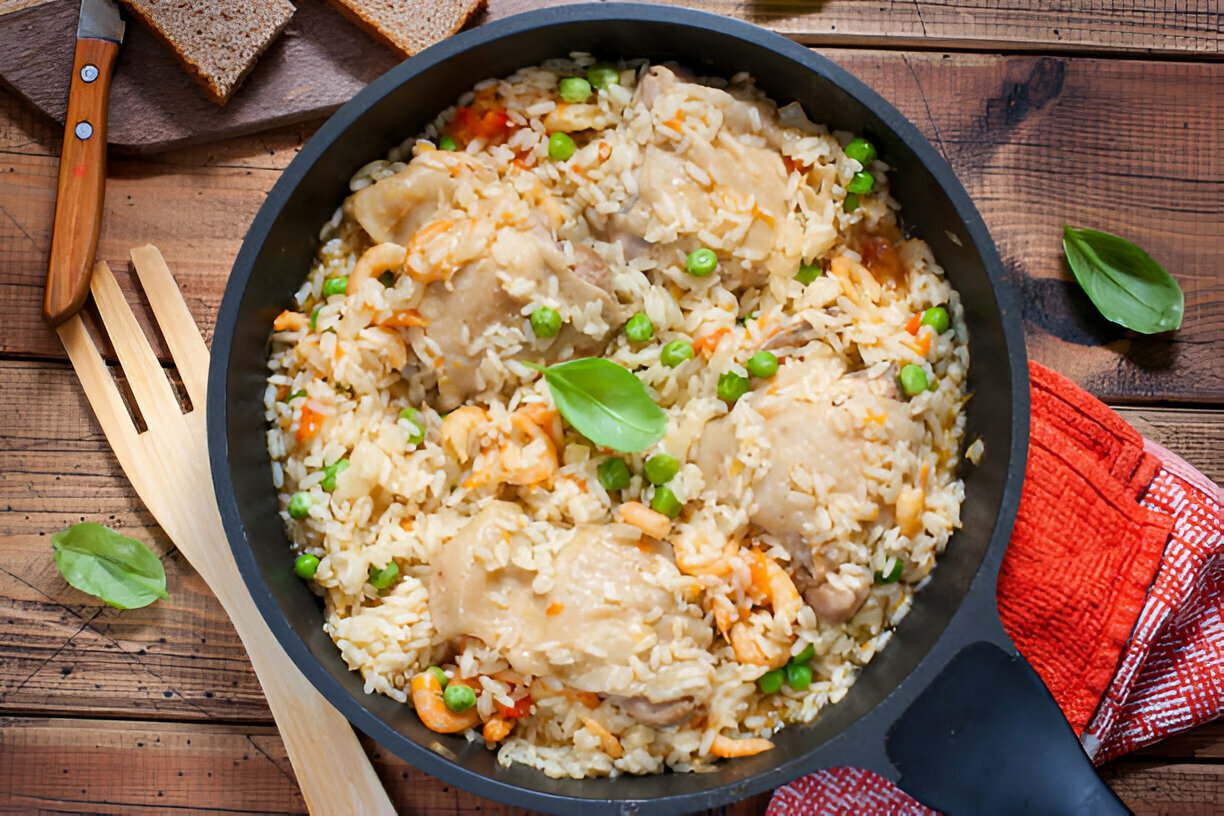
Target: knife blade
x,y
82,171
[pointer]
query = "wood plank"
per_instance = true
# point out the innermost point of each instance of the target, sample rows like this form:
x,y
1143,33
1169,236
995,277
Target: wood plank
x,y
1164,788
1037,141
61,765
1137,26
322,60
66,653
1195,435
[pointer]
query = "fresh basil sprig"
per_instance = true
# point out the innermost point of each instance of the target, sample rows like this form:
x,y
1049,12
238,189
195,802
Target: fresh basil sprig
x,y
120,570
1123,281
605,403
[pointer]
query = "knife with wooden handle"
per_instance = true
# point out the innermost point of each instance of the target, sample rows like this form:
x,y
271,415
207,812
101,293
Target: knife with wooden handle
x,y
82,172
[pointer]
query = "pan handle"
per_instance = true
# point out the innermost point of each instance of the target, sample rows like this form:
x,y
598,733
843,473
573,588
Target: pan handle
x,y
986,737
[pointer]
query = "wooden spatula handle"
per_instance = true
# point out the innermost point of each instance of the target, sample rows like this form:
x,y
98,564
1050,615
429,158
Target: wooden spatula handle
x,y
82,180
332,770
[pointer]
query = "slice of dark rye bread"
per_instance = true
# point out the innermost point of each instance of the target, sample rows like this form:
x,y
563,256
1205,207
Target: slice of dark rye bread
x,y
217,41
408,26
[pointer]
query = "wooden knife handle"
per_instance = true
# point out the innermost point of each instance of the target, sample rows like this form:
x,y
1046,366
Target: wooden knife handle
x,y
82,180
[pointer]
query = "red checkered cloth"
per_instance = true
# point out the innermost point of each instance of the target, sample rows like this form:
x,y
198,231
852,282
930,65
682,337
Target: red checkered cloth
x,y
1130,638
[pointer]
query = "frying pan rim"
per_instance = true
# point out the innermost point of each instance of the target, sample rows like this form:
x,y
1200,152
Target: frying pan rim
x,y
982,586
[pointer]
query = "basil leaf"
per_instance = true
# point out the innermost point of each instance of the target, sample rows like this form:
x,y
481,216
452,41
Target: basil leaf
x,y
605,403
120,570
1123,281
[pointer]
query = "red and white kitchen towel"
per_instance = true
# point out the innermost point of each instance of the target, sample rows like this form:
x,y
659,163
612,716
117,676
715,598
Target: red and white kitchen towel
x,y
1112,587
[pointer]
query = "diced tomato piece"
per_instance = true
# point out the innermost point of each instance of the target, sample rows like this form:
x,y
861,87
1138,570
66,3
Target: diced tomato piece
x,y
492,125
516,712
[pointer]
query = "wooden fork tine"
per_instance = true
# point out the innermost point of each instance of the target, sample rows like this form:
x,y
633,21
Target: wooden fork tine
x,y
100,388
145,376
177,326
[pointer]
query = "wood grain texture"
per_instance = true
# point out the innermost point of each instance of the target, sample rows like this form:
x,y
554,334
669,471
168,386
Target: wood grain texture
x,y
1183,27
322,59
1036,140
61,765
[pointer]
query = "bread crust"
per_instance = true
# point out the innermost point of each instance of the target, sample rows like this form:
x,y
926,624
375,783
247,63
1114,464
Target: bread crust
x,y
357,13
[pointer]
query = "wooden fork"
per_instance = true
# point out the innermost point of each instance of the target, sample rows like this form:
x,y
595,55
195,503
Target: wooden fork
x,y
168,466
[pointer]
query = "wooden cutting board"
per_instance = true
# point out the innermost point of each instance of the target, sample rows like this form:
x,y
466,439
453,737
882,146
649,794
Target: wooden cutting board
x,y
316,65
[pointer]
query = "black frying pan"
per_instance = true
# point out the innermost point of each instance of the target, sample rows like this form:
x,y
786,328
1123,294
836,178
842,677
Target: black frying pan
x,y
948,708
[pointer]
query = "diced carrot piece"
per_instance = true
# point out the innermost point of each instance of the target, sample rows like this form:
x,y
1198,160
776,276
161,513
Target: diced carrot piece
x,y
496,730
287,320
914,323
554,609
707,344
309,423
405,318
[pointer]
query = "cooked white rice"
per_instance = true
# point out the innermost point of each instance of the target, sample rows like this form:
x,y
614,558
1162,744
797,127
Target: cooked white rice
x,y
798,499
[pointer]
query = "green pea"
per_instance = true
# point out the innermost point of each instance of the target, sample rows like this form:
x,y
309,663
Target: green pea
x,y
771,681
893,574
329,474
862,182
808,273
937,318
862,151
335,286
385,577
613,473
306,565
732,386
850,203
545,322
701,262
913,380
439,675
809,651
661,468
417,435
763,364
575,89
314,318
603,75
459,698
639,329
387,279
798,676
664,501
560,146
299,505
675,352
447,143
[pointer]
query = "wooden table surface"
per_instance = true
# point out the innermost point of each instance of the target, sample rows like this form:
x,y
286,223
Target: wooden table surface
x,y
1101,114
